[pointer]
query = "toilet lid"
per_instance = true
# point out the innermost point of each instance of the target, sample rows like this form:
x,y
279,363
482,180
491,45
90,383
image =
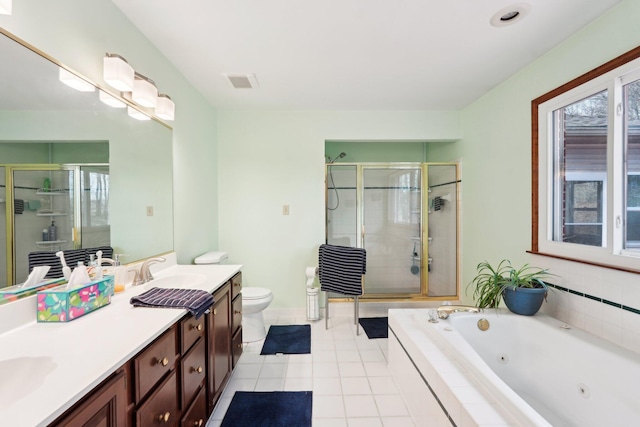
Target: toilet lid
x,y
255,293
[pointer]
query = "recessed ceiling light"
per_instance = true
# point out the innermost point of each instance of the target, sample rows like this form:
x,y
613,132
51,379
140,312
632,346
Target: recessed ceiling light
x,y
510,14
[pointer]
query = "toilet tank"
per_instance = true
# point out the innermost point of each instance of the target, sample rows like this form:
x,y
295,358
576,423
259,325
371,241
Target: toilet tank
x,y
212,257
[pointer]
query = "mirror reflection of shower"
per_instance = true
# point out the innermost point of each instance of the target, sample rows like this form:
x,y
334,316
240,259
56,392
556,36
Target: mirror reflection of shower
x,y
339,156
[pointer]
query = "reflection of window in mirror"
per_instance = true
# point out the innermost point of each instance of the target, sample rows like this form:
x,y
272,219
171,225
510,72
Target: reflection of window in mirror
x,y
586,167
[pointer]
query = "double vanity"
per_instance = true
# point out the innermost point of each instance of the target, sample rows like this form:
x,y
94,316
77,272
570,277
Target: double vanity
x,y
121,365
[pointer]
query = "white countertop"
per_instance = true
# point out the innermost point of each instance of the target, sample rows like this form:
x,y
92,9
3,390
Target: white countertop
x,y
62,362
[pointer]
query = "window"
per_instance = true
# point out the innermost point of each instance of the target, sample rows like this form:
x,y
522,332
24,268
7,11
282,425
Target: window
x,y
586,167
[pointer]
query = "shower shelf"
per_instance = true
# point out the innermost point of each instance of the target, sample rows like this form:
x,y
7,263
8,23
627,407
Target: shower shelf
x,y
51,214
54,192
51,242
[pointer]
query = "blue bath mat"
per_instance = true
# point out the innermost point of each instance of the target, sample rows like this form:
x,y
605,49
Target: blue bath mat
x,y
288,339
269,409
375,327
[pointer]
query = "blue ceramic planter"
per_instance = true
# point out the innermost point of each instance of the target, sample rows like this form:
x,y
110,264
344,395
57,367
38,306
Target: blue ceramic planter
x,y
525,301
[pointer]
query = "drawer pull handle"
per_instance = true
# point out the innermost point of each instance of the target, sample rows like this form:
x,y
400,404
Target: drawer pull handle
x,y
198,327
164,417
237,311
239,346
198,369
164,361
199,423
215,311
237,284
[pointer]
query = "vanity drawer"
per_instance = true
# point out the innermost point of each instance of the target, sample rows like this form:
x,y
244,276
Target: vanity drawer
x,y
154,362
190,330
193,372
236,285
196,415
162,406
236,316
236,347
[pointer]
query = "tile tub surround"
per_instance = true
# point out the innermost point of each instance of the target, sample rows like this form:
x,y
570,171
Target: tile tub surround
x,y
601,301
84,352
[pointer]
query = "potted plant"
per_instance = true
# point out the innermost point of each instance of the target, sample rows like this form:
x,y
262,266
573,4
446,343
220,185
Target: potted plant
x,y
522,289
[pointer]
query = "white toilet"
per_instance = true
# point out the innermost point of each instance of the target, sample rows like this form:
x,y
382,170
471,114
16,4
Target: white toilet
x,y
254,301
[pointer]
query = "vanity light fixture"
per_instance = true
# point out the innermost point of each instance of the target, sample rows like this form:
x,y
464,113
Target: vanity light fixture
x,y
165,107
110,100
5,7
117,72
144,92
74,81
136,114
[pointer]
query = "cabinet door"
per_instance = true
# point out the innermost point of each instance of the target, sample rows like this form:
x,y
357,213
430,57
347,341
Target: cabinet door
x,y
105,407
219,357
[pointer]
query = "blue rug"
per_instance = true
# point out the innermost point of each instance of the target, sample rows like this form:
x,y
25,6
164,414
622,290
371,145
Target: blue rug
x,y
269,409
288,339
375,327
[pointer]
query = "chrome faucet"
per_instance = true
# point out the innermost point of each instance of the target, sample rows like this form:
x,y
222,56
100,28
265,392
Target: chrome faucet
x,y
445,310
144,275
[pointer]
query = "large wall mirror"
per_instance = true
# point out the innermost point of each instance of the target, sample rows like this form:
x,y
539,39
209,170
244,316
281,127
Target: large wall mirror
x,y
54,136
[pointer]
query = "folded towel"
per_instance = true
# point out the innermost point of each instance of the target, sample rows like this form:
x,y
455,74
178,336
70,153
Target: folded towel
x,y
194,300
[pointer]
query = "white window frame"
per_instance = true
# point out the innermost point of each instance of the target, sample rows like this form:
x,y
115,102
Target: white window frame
x,y
612,252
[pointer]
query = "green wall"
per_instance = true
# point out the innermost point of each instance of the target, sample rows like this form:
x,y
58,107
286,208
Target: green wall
x,y
495,151
376,151
273,158
54,152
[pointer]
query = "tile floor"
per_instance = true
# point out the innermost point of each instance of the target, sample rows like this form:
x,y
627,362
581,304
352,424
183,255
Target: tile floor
x,y
348,375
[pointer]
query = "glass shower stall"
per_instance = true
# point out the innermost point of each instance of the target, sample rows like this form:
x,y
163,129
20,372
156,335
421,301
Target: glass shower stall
x,y
405,215
50,208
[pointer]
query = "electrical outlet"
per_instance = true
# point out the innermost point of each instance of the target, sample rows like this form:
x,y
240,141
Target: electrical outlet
x,y
149,210
285,209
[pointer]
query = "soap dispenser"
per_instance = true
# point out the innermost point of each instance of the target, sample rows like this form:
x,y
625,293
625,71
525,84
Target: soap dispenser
x,y
119,274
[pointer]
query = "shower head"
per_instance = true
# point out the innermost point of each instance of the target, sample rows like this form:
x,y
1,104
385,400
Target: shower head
x,y
339,156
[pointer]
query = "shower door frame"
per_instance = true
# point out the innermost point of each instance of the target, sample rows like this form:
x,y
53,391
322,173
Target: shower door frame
x,y
424,218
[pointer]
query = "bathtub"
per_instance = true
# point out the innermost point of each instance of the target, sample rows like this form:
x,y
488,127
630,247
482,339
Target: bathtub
x,y
521,371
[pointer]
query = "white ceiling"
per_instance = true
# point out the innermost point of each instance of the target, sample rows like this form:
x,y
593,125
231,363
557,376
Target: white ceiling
x,y
353,54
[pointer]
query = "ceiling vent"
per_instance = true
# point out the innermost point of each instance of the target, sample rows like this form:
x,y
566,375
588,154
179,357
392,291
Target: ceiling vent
x,y
242,81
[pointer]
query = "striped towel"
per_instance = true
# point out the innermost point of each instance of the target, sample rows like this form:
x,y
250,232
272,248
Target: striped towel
x,y
194,300
18,206
340,269
71,257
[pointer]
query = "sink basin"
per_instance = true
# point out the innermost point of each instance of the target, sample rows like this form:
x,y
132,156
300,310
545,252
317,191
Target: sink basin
x,y
20,375
177,281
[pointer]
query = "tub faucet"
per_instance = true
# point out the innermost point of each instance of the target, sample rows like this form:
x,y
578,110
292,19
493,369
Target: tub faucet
x,y
145,274
445,310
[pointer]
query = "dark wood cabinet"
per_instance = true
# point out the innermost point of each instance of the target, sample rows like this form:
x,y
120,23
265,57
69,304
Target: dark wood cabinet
x,y
105,406
219,344
177,379
236,319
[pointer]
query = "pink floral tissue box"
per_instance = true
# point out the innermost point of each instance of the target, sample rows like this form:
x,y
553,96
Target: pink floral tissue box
x,y
64,305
